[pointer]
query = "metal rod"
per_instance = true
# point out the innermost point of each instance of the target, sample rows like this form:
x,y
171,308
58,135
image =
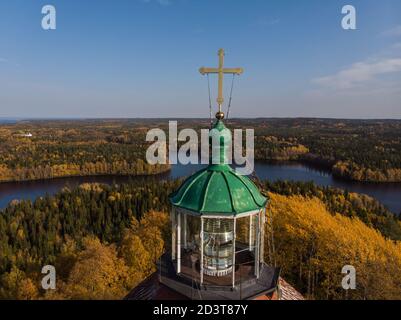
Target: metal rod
x,y
220,98
185,231
234,236
250,232
173,235
262,236
257,248
201,252
179,243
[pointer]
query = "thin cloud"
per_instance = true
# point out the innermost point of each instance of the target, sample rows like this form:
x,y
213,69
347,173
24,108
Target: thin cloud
x,y
360,73
393,32
3,60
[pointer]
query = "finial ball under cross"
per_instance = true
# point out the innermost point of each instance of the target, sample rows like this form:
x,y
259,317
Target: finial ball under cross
x,y
221,71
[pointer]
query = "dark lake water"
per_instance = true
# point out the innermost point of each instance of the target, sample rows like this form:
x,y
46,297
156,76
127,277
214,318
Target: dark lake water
x,y
388,194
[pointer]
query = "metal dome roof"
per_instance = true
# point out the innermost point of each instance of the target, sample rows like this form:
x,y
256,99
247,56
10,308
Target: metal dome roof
x,y
218,190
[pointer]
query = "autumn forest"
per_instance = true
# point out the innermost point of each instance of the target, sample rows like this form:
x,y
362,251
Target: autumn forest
x,y
121,230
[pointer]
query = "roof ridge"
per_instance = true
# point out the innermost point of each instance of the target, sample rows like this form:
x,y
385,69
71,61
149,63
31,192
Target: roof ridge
x,y
198,175
205,191
173,194
229,192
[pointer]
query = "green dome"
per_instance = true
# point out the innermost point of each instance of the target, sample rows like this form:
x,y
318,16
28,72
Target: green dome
x,y
218,190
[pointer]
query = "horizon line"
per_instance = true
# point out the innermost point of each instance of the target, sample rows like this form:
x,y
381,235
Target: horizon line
x,y
186,118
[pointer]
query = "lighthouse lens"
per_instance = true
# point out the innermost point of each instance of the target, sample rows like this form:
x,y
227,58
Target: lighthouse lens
x,y
218,246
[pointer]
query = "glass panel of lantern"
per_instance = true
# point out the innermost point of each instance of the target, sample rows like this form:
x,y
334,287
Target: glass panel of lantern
x,y
218,246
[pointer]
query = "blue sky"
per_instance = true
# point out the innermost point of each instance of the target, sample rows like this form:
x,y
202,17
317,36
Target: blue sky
x,y
140,58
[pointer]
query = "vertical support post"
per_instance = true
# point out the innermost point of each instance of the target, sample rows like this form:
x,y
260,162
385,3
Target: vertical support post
x,y
173,234
262,236
250,231
220,98
234,237
257,248
201,252
179,242
185,231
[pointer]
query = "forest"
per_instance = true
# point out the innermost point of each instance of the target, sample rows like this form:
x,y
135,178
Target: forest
x,y
360,150
44,150
121,230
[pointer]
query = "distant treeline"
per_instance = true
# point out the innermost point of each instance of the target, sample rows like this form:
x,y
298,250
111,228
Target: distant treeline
x,y
139,167
361,150
62,149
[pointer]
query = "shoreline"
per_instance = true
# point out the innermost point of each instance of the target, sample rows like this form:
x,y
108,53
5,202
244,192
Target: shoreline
x,y
305,162
327,169
87,176
386,194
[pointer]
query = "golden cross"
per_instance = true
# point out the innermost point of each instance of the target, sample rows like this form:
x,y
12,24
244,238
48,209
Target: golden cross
x,y
221,71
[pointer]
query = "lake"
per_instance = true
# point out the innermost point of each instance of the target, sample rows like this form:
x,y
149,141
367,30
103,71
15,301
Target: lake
x,y
387,193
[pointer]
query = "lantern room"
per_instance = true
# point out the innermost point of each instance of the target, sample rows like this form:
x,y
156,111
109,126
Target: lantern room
x,y
218,222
